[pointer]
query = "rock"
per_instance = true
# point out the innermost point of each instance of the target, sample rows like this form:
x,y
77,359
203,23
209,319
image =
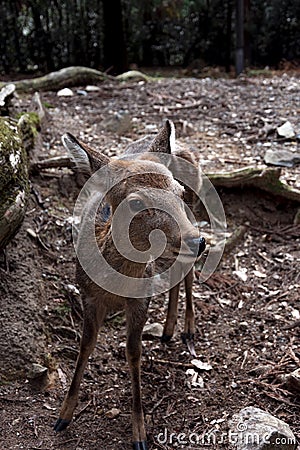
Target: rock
x,y
38,377
37,370
6,94
91,88
152,331
292,381
286,130
282,158
119,123
255,429
81,92
66,92
112,413
14,186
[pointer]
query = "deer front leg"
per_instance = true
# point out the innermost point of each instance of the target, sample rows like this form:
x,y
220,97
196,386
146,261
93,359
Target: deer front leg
x,y
93,318
189,325
136,316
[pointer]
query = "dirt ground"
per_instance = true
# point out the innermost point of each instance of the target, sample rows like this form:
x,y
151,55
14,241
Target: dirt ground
x,y
247,329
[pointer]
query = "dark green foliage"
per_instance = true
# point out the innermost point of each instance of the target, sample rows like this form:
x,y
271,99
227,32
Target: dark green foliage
x,y
108,34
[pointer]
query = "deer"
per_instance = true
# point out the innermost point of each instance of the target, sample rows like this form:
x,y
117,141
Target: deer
x,y
165,139
145,190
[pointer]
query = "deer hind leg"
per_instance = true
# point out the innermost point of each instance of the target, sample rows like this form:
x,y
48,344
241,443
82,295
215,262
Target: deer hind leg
x,y
189,325
172,314
136,316
94,315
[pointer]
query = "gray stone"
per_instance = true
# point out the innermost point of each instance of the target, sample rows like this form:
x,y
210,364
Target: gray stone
x,y
119,123
152,331
286,130
37,370
255,429
92,88
66,92
282,158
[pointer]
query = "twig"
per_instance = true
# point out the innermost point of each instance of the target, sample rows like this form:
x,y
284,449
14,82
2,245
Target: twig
x,y
235,239
279,398
158,403
35,428
171,363
71,440
294,357
188,106
244,359
83,409
294,324
113,316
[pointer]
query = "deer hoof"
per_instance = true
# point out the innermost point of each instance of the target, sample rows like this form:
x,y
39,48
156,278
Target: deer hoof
x,y
188,340
140,445
61,424
165,338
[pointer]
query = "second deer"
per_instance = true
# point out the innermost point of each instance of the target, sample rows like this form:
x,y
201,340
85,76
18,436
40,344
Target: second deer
x,y
148,193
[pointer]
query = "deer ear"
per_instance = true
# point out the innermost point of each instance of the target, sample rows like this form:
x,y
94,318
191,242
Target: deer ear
x,y
86,159
164,142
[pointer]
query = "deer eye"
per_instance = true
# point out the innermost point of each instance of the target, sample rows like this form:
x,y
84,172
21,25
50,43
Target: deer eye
x,y
136,205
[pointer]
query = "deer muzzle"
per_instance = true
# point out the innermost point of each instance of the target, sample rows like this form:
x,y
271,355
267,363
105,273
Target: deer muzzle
x,y
196,245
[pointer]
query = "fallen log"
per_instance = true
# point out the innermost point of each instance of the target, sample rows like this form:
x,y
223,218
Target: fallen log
x,y
70,76
135,75
265,178
59,162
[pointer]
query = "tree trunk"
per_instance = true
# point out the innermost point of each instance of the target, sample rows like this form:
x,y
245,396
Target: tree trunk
x,y
228,36
115,51
239,52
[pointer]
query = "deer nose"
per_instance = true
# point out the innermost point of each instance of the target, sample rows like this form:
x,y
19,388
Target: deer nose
x,y
196,245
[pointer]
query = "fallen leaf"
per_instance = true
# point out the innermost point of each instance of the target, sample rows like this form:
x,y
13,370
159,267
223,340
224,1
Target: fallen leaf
x,y
241,273
112,413
201,365
259,274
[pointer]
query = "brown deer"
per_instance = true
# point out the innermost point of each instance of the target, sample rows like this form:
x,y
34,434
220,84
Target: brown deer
x,y
145,191
166,140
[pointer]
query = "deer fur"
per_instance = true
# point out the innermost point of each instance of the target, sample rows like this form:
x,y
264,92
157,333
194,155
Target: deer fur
x,y
143,174
166,140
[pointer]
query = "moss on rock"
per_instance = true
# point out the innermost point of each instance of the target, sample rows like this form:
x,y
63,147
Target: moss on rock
x,y
14,184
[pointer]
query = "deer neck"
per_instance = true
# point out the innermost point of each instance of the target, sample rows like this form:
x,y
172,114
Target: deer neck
x,y
115,259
